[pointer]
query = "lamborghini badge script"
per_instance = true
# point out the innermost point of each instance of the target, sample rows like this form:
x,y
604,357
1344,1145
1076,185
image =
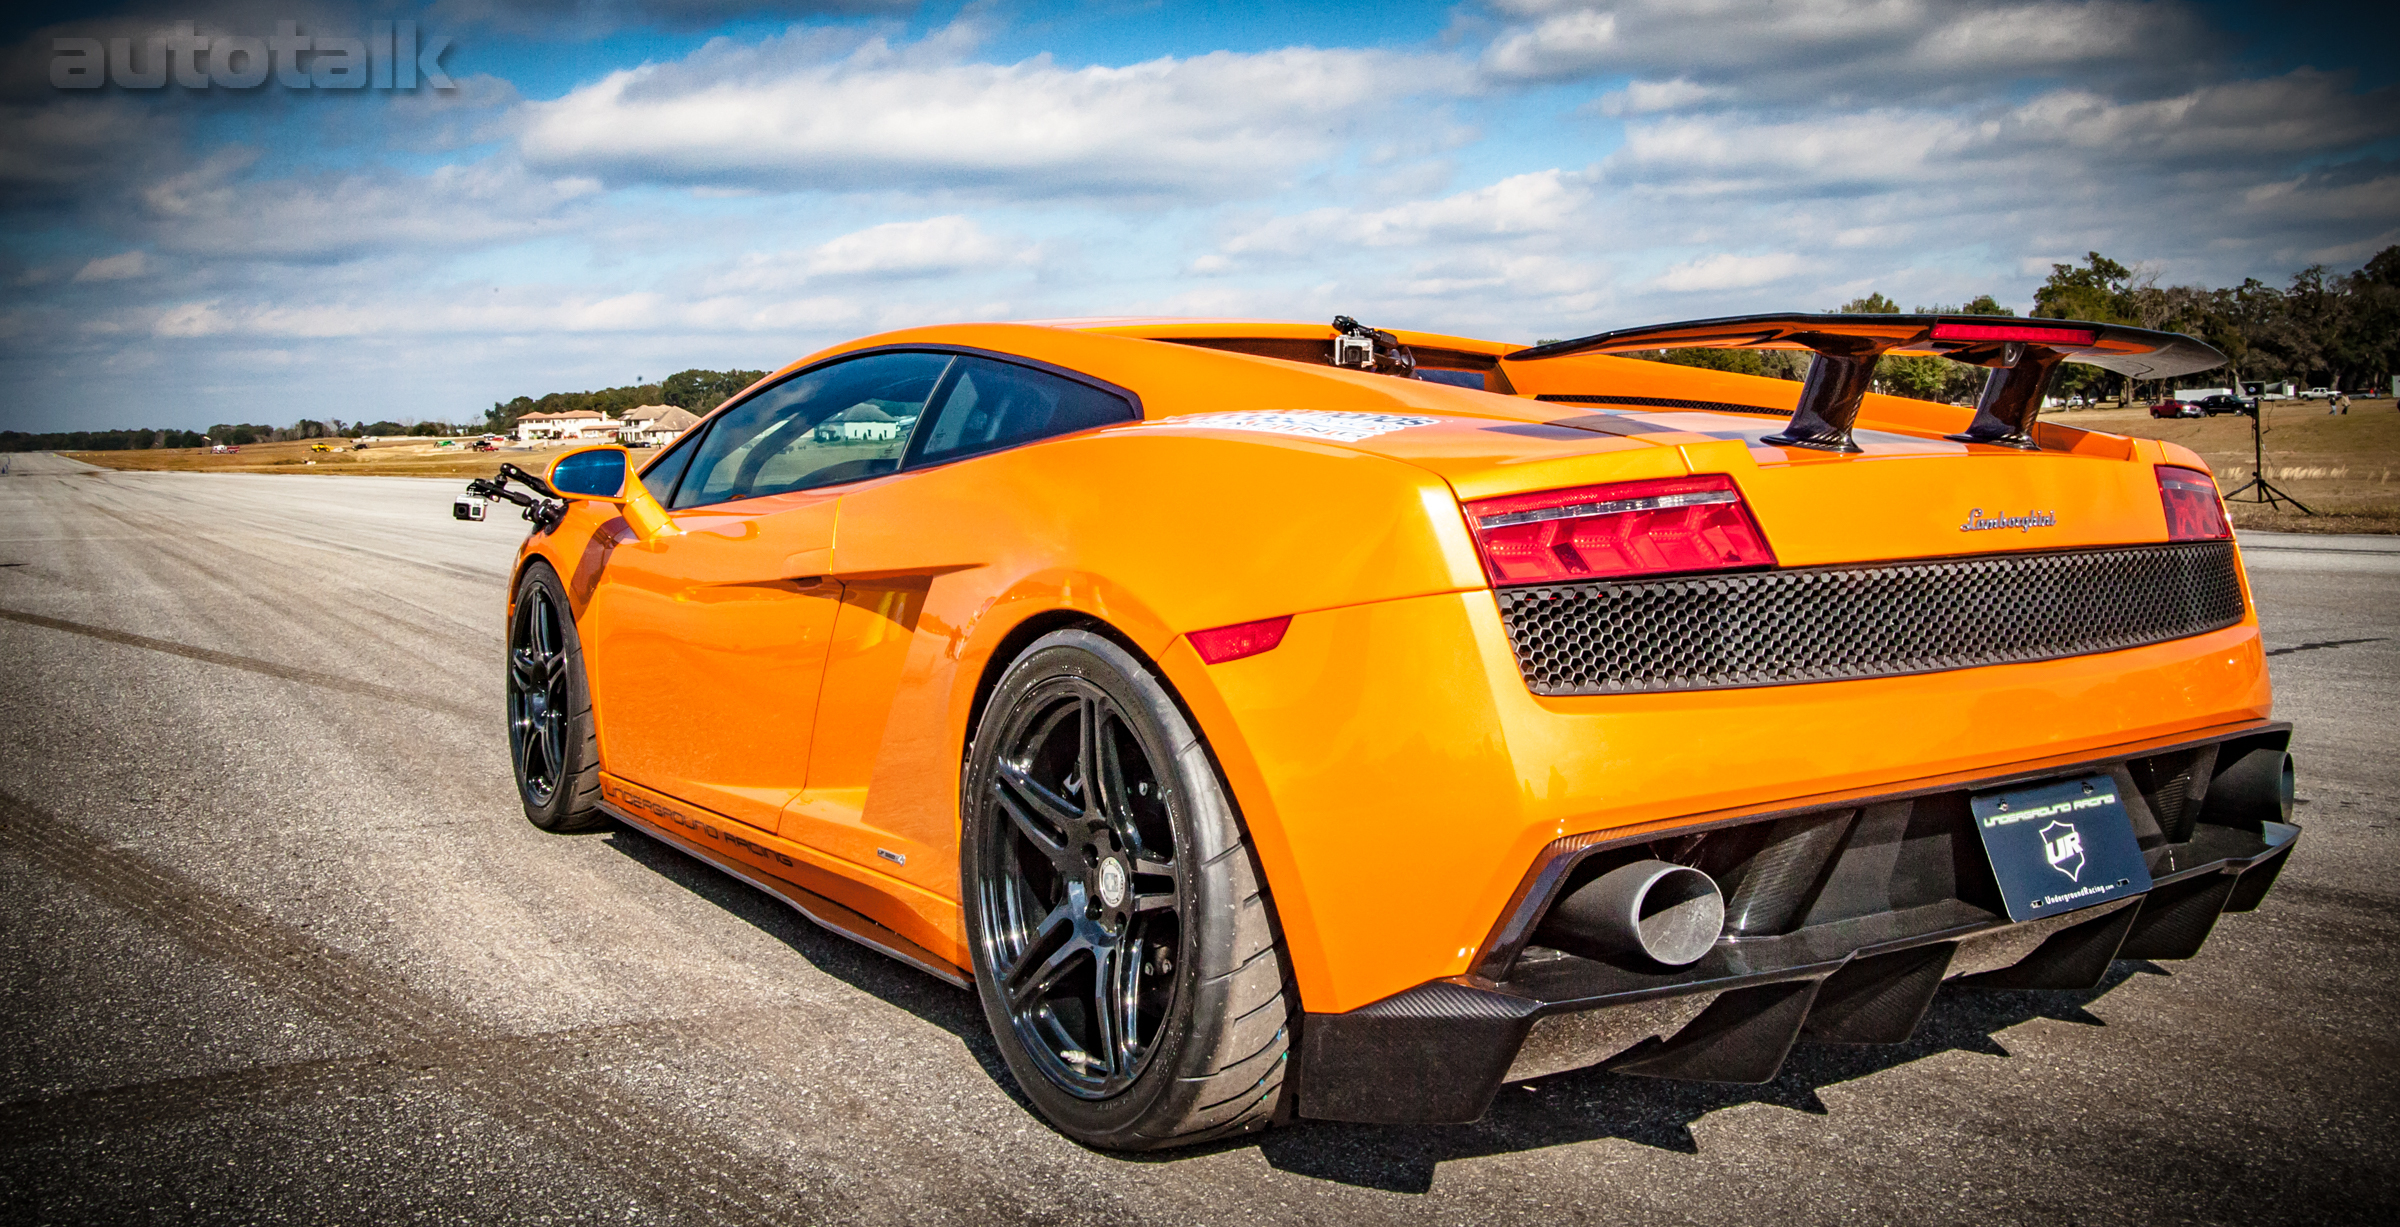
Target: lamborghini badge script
x,y
1979,522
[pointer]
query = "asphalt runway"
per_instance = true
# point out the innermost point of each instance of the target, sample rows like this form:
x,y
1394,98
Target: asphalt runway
x,y
276,945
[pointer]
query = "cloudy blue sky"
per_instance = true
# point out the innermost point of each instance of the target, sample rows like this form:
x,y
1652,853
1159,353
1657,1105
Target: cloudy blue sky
x,y
627,188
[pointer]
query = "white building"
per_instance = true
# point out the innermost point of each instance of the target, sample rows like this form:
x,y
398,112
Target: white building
x,y
654,425
862,422
574,424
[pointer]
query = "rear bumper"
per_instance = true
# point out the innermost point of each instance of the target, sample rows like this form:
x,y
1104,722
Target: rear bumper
x,y
1859,908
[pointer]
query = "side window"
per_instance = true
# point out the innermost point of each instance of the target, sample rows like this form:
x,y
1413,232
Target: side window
x,y
833,424
660,475
992,405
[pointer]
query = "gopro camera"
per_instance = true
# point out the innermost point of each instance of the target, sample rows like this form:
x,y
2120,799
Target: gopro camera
x,y
1354,350
467,507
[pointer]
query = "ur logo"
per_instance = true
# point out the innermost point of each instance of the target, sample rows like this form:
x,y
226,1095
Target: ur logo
x,y
2063,847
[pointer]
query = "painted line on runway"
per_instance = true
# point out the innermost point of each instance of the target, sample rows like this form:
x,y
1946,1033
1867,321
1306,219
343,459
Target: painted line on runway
x,y
331,681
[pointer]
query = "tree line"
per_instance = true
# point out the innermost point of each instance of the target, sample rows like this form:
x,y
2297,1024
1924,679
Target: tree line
x,y
236,434
696,390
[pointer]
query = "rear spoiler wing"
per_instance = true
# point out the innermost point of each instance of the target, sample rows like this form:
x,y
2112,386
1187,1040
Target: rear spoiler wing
x,y
2022,353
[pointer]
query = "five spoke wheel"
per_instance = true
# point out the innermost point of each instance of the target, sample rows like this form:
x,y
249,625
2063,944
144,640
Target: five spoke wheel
x,y
1082,899
538,698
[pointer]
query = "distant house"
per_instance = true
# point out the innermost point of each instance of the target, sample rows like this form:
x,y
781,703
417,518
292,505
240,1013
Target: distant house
x,y
862,422
654,425
570,425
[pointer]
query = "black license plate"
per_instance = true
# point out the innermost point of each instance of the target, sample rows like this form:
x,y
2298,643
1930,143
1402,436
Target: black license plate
x,y
2060,846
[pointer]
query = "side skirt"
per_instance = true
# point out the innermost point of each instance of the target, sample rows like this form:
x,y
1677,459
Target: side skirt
x,y
821,911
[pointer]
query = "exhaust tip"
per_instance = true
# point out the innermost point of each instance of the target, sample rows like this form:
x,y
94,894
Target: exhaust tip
x,y
1666,912
2257,786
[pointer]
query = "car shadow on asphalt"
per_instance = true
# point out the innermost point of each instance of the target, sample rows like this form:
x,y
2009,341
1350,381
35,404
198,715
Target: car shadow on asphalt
x,y
944,1005
1582,1105
1592,1104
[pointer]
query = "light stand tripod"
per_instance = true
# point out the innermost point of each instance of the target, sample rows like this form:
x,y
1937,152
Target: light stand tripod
x,y
2267,492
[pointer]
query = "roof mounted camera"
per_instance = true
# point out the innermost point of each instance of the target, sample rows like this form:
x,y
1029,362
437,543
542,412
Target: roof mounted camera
x,y
1371,349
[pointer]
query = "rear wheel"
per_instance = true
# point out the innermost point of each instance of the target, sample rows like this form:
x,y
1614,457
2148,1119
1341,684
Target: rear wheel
x,y
1123,951
551,739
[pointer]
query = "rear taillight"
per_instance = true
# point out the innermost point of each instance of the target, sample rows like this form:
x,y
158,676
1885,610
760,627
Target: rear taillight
x,y
1630,528
2193,512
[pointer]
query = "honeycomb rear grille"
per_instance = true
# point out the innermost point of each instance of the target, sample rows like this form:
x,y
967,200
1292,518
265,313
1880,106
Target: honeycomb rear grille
x,y
1823,624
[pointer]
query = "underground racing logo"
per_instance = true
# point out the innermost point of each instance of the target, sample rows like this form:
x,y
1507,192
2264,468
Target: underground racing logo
x,y
2062,846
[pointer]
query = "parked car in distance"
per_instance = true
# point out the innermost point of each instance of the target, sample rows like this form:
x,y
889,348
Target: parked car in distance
x,y
2221,403
2172,408
2317,394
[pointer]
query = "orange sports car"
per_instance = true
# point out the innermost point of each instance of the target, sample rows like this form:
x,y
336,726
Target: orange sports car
x,y
1276,719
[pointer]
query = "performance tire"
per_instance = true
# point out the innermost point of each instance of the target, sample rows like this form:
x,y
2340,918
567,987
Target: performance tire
x,y
551,739
1097,838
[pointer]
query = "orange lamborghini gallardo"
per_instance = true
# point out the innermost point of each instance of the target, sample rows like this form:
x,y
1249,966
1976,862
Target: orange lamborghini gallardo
x,y
1275,719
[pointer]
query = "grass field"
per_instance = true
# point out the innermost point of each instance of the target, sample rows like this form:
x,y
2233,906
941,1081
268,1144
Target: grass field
x,y
2343,467
396,458
2346,468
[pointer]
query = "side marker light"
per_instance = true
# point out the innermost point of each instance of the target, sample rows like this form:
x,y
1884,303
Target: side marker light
x,y
1241,639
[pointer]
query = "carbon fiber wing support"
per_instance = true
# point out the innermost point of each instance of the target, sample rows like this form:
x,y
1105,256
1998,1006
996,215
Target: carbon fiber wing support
x,y
2021,353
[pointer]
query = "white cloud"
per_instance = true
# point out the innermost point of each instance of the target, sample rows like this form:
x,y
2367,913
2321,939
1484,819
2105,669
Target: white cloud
x,y
2288,116
1543,202
951,245
198,319
212,210
937,245
1645,97
115,268
1726,271
1833,48
790,113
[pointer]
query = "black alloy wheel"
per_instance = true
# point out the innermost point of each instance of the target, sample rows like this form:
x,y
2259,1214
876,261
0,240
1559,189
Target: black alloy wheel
x,y
1122,946
1085,916
551,741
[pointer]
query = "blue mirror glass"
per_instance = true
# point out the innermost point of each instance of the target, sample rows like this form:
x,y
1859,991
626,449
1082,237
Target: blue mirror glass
x,y
590,475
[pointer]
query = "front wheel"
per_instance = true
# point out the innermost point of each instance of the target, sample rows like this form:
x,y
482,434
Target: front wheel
x,y
551,738
1123,950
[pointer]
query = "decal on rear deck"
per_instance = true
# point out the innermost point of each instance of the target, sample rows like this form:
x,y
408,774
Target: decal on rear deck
x,y
1308,424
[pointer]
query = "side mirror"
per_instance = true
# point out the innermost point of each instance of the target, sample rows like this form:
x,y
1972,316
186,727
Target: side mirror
x,y
596,473
605,474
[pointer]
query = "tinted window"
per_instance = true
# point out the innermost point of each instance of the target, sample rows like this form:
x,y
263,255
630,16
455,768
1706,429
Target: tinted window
x,y
991,405
664,471
833,424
